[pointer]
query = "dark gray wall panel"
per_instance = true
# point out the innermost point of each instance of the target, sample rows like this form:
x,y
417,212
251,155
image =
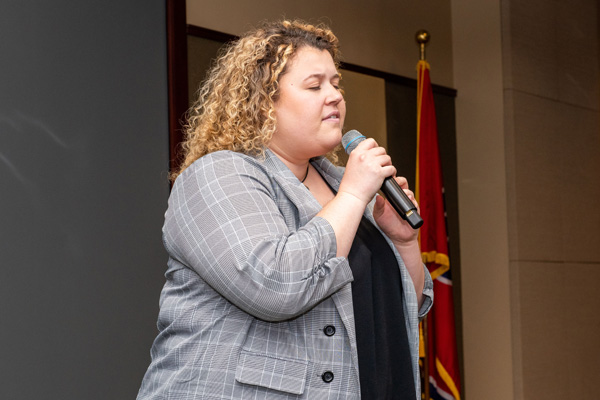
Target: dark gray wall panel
x,y
83,168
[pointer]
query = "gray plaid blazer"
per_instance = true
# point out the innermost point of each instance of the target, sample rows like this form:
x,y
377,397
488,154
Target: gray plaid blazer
x,y
256,305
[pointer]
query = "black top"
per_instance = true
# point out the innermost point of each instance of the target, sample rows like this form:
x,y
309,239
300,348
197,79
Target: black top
x,y
383,353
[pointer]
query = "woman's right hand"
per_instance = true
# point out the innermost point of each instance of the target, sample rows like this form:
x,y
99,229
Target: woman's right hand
x,y
368,165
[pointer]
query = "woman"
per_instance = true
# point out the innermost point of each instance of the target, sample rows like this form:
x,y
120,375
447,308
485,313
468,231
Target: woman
x,y
279,283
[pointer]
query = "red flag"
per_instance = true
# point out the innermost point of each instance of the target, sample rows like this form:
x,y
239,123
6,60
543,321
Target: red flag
x,y
441,353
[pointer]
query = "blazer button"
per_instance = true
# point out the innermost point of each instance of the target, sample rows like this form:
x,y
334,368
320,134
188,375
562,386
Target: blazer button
x,y
329,330
327,376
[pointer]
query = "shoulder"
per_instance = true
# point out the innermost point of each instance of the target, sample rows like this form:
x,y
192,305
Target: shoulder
x,y
223,161
222,175
221,165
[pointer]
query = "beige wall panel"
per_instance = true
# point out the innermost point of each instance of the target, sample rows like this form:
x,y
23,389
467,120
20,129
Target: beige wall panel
x,y
557,176
486,303
365,105
556,60
582,323
560,322
551,68
544,335
376,34
579,185
537,152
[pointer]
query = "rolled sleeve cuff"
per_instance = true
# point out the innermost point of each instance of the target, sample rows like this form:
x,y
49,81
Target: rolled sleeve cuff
x,y
427,295
327,243
328,263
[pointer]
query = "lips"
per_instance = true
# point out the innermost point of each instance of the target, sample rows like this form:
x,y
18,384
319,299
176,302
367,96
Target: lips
x,y
332,115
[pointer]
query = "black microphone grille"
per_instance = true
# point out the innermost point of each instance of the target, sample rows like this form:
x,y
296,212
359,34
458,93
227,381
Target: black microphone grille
x,y
351,139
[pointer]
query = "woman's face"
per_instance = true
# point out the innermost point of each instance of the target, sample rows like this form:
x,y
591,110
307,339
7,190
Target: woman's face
x,y
310,110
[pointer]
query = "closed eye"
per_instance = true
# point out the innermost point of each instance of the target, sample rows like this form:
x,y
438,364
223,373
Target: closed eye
x,y
336,86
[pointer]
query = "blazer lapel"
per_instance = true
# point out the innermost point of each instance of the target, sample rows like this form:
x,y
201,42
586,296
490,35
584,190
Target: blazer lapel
x,y
343,298
308,207
293,189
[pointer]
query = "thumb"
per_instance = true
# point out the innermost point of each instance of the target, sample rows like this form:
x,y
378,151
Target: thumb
x,y
379,207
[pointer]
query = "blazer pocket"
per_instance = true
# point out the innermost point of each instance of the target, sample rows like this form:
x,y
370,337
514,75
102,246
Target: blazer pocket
x,y
271,372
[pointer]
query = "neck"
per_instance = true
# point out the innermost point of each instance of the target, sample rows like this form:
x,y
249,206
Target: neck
x,y
298,166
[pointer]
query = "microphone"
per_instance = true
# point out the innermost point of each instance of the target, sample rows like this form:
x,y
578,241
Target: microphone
x,y
392,191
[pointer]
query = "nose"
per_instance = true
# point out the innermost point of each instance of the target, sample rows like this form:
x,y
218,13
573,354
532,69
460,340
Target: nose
x,y
334,95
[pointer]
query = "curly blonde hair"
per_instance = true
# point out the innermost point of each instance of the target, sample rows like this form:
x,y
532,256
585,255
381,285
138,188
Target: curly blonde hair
x,y
235,105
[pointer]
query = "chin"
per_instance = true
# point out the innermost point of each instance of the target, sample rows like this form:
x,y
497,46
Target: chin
x,y
329,141
338,138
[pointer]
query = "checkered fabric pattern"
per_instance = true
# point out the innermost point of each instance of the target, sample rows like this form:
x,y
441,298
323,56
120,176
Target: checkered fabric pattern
x,y
252,283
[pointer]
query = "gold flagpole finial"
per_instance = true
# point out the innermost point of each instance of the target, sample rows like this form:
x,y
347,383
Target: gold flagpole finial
x,y
422,37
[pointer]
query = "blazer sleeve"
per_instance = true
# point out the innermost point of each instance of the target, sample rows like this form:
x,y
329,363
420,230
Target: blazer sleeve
x,y
427,294
224,222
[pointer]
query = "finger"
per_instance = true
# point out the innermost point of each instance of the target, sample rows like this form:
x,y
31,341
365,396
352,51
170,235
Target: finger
x,y
379,206
378,151
366,144
388,170
384,159
411,197
402,181
366,148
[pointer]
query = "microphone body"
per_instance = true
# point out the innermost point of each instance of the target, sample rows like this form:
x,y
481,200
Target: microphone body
x,y
392,191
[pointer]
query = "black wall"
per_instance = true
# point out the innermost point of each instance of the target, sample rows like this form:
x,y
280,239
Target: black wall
x,y
83,173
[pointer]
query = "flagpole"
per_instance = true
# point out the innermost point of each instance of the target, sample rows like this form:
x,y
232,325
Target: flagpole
x,y
422,37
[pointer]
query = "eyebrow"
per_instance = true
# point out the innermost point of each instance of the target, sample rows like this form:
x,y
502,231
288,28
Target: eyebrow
x,y
321,76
